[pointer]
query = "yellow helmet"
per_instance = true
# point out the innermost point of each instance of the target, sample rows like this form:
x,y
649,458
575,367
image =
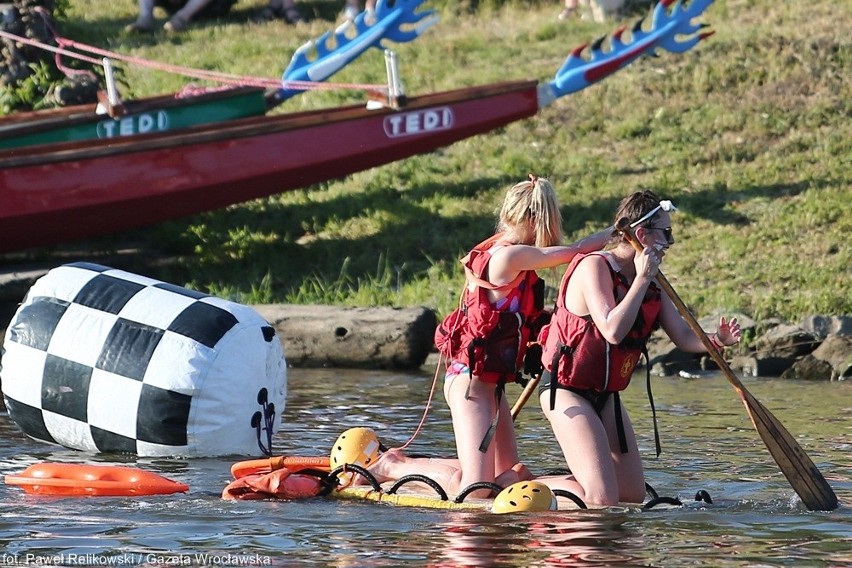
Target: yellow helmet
x,y
525,496
359,446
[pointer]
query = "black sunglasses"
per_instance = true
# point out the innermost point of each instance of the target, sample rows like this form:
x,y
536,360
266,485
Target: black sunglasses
x,y
667,231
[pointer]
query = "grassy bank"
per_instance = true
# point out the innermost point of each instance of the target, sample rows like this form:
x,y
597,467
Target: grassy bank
x,y
750,135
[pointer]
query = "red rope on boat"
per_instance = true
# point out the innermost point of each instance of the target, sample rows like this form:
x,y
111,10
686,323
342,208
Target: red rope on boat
x,y
217,76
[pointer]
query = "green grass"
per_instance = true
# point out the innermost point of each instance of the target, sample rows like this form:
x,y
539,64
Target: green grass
x,y
750,134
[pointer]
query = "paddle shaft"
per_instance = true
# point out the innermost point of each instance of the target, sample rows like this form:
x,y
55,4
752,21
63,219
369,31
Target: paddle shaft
x,y
797,467
525,395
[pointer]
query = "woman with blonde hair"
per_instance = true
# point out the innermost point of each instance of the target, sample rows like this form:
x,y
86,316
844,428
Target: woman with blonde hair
x,y
485,341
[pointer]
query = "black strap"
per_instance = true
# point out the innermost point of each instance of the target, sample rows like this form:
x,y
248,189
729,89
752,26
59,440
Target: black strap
x,y
657,444
554,378
470,354
553,374
492,428
619,423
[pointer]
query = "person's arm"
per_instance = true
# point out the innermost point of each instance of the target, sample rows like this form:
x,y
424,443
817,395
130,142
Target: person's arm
x,y
595,241
591,284
508,262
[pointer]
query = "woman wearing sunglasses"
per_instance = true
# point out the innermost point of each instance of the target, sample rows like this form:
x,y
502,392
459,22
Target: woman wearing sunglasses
x,y
607,308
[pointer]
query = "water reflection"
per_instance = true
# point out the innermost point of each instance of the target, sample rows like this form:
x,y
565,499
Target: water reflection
x,y
581,538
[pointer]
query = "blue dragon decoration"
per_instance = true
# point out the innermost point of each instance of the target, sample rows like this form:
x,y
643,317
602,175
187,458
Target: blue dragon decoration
x,y
671,29
319,59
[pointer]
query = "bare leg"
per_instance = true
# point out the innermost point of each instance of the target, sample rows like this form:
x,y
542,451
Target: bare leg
x,y
504,442
518,472
628,467
585,445
394,464
145,21
352,9
601,474
570,9
472,411
183,16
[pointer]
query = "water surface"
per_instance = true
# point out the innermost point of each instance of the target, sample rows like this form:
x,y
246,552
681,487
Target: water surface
x,y
708,443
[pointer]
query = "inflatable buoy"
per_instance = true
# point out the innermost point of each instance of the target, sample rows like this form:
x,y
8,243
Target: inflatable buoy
x,y
102,360
279,484
65,479
268,465
277,478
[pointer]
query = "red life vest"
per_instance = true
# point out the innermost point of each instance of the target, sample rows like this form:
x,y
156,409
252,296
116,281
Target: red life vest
x,y
491,341
585,360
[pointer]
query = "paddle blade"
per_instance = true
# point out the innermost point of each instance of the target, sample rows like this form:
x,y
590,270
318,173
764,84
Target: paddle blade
x,y
805,478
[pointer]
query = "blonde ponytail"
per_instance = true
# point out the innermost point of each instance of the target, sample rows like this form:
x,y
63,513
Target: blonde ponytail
x,y
533,202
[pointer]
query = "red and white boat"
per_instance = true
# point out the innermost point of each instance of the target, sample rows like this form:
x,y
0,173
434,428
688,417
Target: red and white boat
x,y
58,192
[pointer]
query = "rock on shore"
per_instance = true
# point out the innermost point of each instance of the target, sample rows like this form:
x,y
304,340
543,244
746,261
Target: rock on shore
x,y
818,348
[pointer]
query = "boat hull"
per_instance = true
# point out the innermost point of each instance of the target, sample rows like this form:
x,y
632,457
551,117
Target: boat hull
x,y
58,193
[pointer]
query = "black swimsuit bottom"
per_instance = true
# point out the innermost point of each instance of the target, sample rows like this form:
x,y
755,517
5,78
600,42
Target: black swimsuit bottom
x,y
597,399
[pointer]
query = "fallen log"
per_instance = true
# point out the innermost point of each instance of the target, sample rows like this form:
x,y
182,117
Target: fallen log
x,y
352,337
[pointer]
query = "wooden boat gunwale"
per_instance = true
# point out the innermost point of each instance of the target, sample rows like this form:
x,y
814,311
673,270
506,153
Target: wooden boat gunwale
x,y
241,128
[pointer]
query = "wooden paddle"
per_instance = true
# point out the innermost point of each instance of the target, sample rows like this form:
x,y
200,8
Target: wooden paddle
x,y
795,464
525,395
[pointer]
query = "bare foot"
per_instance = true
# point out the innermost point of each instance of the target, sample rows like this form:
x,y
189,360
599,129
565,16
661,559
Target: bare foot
x,y
387,466
519,472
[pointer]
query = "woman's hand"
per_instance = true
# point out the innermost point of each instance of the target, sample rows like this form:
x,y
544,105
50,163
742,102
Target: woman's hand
x,y
647,262
728,333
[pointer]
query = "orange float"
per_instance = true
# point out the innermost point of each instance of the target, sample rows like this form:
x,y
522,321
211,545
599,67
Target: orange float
x,y
279,484
68,479
268,465
276,477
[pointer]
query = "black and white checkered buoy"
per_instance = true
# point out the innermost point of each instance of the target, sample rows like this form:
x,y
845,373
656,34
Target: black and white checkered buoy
x,y
103,360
